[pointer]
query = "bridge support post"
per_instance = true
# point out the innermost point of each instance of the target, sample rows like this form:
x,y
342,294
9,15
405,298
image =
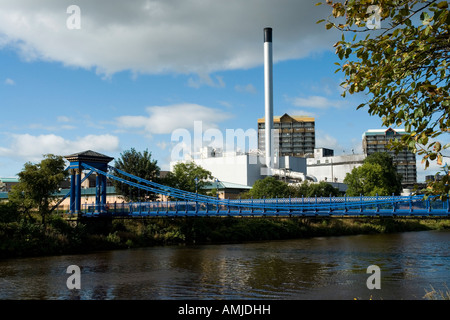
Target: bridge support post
x,y
410,204
77,191
290,203
103,192
303,204
360,202
100,193
394,204
448,205
72,191
315,209
264,205
378,205
97,193
345,204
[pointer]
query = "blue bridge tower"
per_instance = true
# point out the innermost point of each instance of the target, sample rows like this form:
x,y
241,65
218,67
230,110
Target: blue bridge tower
x,y
96,160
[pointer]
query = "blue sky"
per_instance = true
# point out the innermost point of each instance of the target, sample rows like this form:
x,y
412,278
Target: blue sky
x,y
136,71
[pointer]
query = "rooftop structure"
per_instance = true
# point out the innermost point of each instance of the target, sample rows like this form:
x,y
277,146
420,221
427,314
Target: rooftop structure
x,y
7,183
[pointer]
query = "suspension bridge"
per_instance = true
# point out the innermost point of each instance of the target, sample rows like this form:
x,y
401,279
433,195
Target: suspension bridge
x,y
183,203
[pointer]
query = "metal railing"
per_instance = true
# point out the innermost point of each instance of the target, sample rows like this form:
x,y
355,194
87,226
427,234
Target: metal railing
x,y
185,203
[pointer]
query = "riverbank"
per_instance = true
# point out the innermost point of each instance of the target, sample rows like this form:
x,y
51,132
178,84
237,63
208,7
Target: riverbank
x,y
20,239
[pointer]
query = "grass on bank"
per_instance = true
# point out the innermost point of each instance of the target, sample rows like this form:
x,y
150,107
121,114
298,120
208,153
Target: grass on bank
x,y
434,294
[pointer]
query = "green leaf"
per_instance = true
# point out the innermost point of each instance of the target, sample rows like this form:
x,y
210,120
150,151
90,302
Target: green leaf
x,y
442,5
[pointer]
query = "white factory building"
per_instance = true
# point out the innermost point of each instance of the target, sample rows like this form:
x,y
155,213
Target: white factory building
x,y
325,166
245,168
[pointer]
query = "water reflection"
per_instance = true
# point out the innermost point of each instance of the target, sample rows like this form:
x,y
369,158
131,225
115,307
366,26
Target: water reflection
x,y
318,268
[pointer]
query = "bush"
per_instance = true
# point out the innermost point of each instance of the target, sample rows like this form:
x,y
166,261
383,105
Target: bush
x,y
8,212
113,238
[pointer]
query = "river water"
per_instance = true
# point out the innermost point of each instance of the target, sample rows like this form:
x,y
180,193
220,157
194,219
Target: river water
x,y
317,268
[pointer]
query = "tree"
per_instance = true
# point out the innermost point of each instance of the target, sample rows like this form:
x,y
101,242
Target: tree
x,y
38,184
377,175
403,67
439,185
23,204
189,177
8,212
269,187
139,164
321,189
390,177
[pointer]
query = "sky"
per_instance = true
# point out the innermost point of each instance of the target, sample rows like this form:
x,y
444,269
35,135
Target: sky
x,y
113,75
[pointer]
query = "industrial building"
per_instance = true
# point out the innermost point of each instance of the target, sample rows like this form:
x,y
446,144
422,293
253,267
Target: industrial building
x,y
233,167
325,166
244,168
376,140
295,135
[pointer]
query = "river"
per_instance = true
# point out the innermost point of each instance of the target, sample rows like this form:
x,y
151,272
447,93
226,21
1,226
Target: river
x,y
317,268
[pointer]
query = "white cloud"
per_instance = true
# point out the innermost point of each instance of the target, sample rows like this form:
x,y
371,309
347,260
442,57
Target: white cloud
x,y
10,81
226,104
40,126
63,119
31,148
324,140
165,119
181,36
316,102
205,79
249,88
162,145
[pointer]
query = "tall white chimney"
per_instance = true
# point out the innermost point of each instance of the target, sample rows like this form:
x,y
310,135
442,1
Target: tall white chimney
x,y
268,96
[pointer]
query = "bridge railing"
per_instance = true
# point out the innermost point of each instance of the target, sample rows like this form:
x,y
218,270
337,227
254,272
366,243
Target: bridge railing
x,y
189,203
287,206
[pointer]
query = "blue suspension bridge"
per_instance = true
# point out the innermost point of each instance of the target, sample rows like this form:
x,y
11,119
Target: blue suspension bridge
x,y
185,203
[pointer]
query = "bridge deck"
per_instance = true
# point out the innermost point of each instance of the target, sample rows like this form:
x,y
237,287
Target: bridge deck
x,y
307,207
193,204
